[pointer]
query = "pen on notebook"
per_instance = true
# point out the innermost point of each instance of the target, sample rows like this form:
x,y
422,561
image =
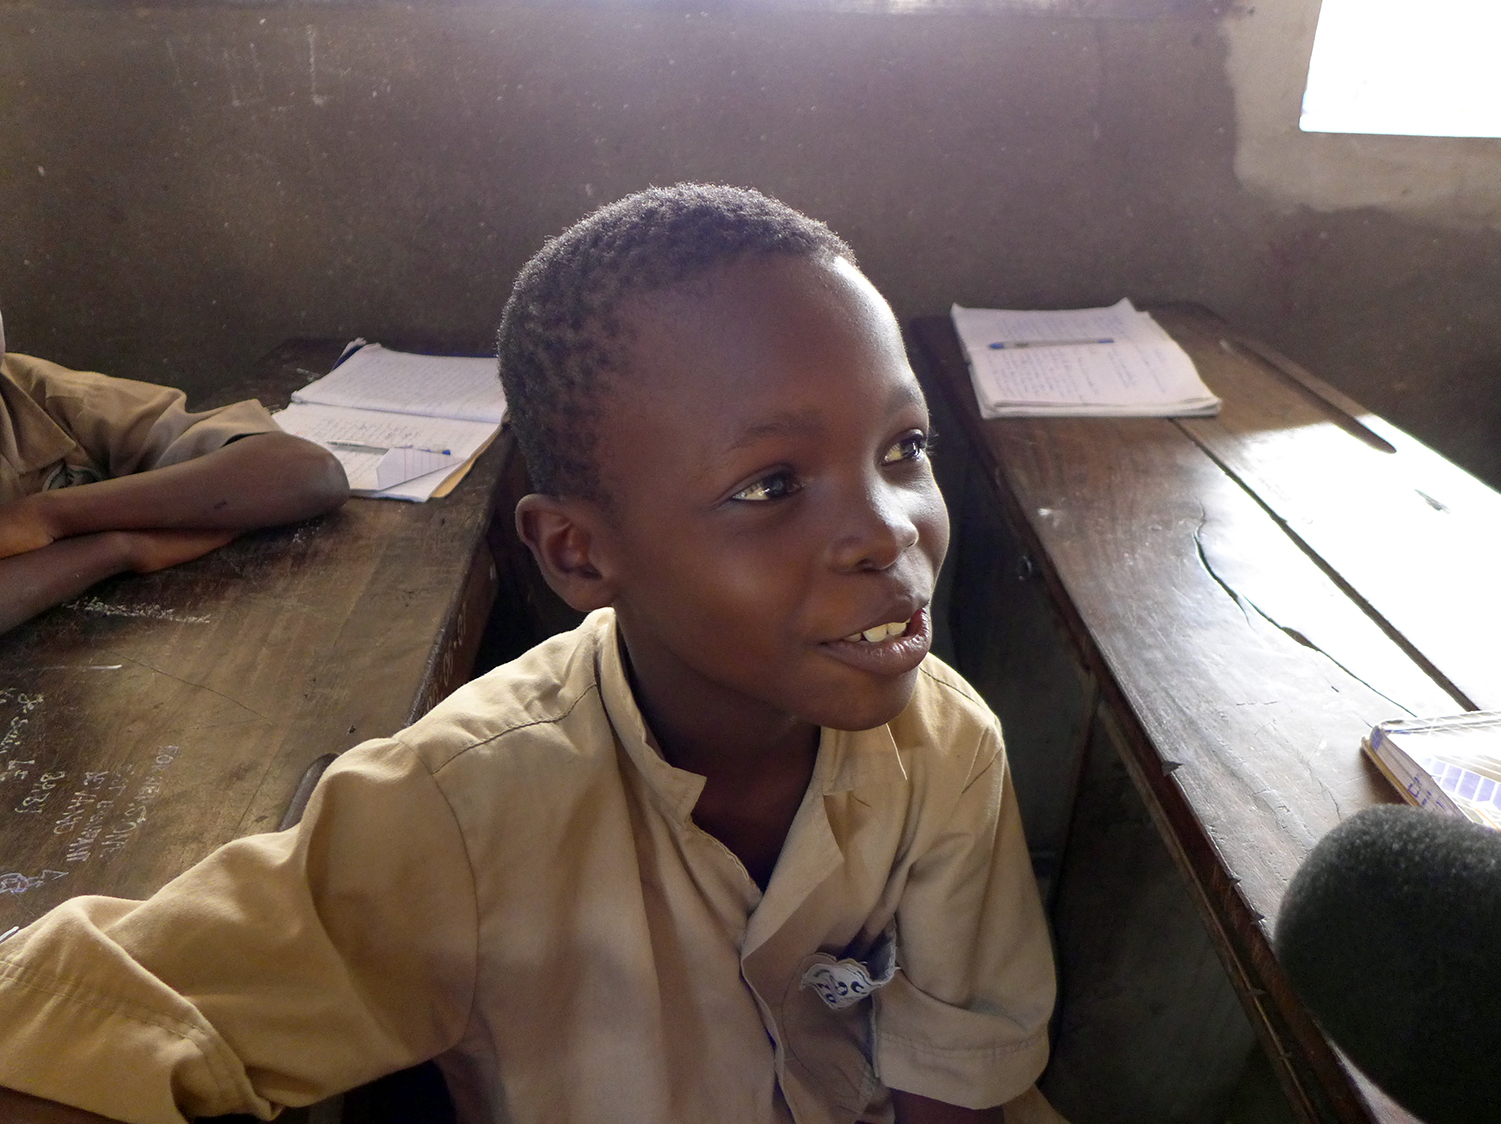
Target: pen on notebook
x,y
356,447
1010,345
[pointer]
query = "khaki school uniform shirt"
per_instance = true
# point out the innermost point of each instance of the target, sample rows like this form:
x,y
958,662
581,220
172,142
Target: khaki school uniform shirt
x,y
515,884
60,427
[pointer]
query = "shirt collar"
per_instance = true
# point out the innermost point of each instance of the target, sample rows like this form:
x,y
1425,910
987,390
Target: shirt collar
x,y
676,790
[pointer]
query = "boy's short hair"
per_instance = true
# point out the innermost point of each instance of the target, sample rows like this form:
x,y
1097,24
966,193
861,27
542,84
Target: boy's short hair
x,y
561,340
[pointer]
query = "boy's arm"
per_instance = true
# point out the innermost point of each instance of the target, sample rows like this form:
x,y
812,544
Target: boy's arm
x,y
283,968
39,579
18,1108
965,1021
257,481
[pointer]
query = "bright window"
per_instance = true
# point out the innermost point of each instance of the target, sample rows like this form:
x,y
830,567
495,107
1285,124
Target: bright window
x,y
1412,67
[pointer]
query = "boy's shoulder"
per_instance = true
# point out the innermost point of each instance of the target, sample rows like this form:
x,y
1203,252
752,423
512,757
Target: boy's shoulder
x,y
947,728
544,703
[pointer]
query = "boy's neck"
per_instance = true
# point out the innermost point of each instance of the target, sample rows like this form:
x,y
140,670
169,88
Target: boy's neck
x,y
756,761
710,730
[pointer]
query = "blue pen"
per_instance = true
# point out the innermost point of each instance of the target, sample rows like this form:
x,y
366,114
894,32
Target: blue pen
x,y
356,447
1013,345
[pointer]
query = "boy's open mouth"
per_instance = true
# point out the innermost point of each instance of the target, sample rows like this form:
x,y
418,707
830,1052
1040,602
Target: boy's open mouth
x,y
880,632
892,648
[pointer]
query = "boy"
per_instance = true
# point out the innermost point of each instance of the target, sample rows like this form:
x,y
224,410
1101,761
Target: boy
x,y
162,485
736,849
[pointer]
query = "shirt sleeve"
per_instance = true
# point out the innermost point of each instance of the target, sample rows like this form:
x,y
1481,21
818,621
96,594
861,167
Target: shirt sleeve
x,y
280,970
126,426
965,1019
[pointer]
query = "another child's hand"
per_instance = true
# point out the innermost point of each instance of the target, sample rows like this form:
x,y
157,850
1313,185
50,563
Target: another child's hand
x,y
24,527
156,550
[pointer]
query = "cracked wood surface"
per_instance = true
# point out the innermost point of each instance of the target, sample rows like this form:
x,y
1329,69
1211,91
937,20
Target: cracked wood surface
x,y
1211,573
1413,538
167,713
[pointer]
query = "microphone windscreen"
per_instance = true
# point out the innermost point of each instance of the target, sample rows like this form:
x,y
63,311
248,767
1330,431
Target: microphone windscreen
x,y
1391,934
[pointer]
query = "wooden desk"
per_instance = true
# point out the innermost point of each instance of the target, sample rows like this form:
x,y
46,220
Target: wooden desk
x,y
1251,593
159,716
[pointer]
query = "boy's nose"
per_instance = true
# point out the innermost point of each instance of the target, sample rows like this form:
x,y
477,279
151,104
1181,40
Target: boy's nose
x,y
878,536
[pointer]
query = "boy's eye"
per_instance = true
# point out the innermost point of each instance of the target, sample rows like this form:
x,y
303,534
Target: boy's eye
x,y
912,447
777,486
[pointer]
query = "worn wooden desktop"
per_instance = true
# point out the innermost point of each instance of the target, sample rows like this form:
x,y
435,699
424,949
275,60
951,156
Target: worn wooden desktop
x,y
1251,592
158,716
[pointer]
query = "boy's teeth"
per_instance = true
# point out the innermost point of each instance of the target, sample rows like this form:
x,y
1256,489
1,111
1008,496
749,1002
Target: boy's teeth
x,y
880,632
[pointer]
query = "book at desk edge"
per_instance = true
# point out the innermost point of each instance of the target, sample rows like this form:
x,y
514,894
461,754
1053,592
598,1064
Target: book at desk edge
x,y
1450,765
404,426
1109,362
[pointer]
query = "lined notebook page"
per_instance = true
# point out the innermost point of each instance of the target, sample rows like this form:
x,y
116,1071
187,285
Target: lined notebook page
x,y
378,431
1101,362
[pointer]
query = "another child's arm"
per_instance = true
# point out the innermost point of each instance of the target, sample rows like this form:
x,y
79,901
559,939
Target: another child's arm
x,y
39,579
54,545
257,481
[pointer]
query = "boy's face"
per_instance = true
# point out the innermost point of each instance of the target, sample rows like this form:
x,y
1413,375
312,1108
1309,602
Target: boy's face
x,y
771,496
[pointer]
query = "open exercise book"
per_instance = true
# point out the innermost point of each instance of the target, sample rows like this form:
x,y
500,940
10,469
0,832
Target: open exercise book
x,y
404,426
1451,765
1084,362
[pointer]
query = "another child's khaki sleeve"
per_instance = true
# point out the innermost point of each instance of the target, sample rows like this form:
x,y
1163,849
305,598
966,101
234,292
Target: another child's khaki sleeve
x,y
281,969
127,426
965,1020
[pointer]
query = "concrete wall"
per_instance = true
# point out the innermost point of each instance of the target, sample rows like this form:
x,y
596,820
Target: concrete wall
x,y
184,185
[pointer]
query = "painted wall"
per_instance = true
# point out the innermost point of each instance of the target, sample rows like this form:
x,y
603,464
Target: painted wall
x,y
182,186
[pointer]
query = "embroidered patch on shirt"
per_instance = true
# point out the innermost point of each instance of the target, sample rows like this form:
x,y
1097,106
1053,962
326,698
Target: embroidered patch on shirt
x,y
843,983
70,476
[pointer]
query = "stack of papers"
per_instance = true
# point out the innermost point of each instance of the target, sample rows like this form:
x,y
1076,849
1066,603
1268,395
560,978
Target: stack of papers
x,y
404,426
1087,362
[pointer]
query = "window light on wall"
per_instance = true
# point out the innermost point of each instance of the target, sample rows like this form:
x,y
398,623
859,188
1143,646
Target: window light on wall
x,y
1410,67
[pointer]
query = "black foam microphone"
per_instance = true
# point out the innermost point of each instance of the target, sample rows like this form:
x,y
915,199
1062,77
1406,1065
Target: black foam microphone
x,y
1391,933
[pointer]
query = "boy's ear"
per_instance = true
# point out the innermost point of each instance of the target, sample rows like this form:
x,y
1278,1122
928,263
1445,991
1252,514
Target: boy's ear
x,y
565,537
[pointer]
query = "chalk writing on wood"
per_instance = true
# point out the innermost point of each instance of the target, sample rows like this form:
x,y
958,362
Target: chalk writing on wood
x,y
108,807
134,813
80,847
41,791
82,801
98,811
10,740
149,612
14,882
